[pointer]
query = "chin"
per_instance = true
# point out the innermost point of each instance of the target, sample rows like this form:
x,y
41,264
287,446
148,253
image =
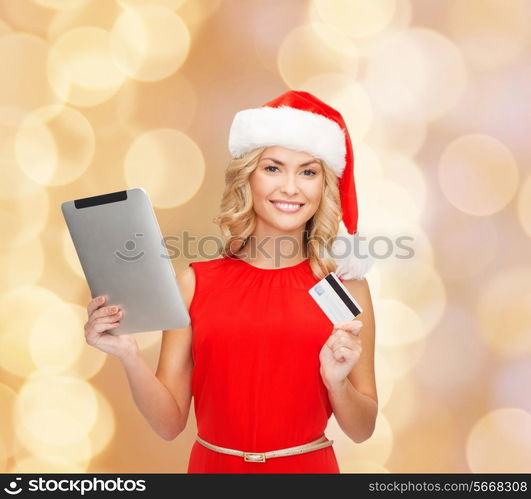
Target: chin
x,y
287,226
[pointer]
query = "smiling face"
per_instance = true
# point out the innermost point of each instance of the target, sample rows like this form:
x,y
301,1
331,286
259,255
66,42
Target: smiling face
x,y
287,187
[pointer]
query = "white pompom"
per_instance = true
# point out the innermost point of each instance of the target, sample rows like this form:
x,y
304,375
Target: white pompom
x,y
352,256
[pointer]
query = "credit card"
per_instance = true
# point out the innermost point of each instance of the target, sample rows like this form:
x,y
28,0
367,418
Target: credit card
x,y
335,300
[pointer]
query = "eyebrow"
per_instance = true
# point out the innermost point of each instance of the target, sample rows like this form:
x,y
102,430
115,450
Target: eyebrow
x,y
278,162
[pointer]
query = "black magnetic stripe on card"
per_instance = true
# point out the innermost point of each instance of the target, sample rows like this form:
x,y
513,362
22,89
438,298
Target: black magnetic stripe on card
x,y
112,197
341,293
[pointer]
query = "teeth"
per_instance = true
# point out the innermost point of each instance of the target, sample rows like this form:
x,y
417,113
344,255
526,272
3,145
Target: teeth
x,y
291,207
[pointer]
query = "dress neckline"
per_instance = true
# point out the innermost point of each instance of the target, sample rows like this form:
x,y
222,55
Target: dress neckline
x,y
247,264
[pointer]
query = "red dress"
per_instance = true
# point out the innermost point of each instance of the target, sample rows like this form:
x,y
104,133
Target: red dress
x,y
257,334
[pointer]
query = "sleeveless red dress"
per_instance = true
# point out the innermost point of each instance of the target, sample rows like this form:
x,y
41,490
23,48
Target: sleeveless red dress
x,y
257,334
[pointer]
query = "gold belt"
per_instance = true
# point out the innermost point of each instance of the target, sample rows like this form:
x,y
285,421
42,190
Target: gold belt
x,y
260,457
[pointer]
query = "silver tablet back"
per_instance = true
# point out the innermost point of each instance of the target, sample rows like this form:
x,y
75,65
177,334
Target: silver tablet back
x,y
123,255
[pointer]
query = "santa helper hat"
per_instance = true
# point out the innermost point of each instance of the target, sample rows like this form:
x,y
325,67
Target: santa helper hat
x,y
300,121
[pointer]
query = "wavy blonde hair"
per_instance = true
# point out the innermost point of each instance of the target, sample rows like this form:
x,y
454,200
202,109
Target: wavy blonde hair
x,y
237,218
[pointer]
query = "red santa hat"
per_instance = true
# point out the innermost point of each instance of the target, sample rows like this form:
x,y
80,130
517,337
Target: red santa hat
x,y
299,121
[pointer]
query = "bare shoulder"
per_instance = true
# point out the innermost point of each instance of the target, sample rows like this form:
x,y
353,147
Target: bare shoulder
x,y
359,289
186,282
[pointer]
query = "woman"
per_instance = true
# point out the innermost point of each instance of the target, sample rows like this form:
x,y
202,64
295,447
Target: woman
x,y
265,365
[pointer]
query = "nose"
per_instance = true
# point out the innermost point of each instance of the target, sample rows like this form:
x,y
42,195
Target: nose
x,y
289,185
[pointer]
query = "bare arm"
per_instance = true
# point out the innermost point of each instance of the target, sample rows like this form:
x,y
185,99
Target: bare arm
x,y
164,398
355,401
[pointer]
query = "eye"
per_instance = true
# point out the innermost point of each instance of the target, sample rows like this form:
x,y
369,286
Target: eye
x,y
312,172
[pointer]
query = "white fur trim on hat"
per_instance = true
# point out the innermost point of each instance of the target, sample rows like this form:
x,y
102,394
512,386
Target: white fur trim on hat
x,y
292,128
351,256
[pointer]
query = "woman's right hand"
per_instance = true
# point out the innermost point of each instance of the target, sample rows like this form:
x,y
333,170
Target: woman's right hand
x,y
102,319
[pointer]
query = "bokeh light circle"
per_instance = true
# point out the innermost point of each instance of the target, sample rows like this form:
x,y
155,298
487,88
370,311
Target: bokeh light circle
x,y
26,56
500,442
23,218
401,358
403,170
168,164
403,134
456,240
491,34
149,42
56,410
15,183
417,73
50,464
21,266
78,452
478,174
357,18
454,342
56,338
8,444
19,309
511,386
398,323
404,405
55,145
302,55
103,430
81,69
425,293
507,331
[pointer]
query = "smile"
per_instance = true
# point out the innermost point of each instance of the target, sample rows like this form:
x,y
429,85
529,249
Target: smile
x,y
287,207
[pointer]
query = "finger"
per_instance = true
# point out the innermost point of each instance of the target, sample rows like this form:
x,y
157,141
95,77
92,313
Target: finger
x,y
95,303
342,354
352,327
97,330
333,338
353,324
337,348
102,320
105,312
105,321
349,325
345,352
100,327
342,338
109,319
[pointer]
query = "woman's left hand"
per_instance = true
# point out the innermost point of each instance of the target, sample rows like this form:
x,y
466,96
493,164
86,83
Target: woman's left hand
x,y
340,353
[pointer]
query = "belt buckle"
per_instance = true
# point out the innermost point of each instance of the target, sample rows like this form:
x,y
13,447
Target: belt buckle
x,y
254,457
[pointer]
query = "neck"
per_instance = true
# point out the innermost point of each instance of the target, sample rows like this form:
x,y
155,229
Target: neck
x,y
269,247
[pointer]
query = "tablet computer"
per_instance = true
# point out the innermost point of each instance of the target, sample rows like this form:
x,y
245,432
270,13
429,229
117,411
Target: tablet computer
x,y
123,256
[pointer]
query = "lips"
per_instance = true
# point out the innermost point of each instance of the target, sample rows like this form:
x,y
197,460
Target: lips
x,y
287,207
286,202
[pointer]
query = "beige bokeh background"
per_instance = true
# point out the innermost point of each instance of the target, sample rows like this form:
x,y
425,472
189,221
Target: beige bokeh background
x,y
98,96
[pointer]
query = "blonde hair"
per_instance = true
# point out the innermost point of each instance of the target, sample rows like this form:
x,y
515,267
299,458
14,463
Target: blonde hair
x,y
237,219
